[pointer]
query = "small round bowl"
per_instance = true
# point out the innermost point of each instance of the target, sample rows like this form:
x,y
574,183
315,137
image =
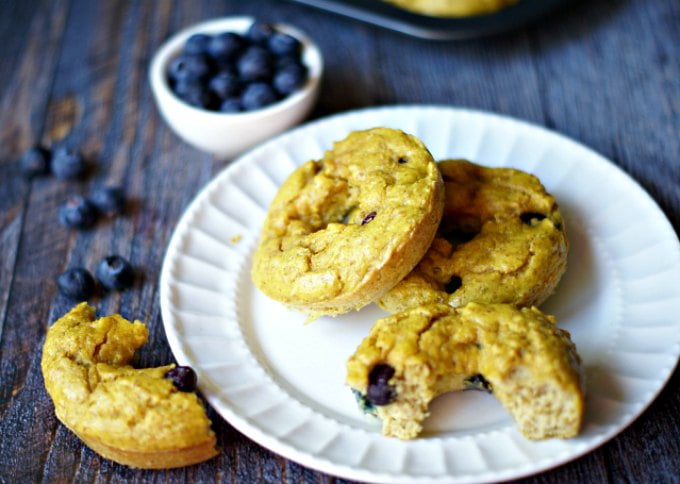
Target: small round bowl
x,y
228,134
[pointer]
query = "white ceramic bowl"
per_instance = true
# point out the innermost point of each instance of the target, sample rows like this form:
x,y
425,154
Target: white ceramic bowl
x,y
228,134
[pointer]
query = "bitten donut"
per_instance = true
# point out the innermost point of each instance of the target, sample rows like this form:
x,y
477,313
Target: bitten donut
x,y
343,230
501,240
519,355
132,416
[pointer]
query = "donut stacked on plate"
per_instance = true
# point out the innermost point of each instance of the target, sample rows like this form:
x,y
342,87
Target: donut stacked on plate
x,y
460,253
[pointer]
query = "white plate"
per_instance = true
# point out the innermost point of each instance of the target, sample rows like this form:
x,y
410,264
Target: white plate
x,y
280,382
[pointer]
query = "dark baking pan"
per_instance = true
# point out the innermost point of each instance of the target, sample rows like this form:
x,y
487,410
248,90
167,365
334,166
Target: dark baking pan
x,y
438,28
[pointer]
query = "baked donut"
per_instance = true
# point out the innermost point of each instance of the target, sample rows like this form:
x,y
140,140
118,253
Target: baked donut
x,y
133,417
343,230
452,8
501,240
519,355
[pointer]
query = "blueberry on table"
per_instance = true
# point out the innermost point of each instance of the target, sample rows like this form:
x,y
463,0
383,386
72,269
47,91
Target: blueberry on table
x,y
76,283
257,95
225,85
259,33
281,44
114,272
231,105
77,213
35,162
189,66
289,79
379,391
255,65
108,199
67,163
226,46
183,377
197,44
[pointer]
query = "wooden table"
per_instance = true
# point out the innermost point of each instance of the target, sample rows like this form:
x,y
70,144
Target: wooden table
x,y
604,72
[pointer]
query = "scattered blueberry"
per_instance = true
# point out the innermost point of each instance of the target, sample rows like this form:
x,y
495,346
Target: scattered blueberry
x,y
529,217
35,162
77,213
108,199
255,65
114,272
183,377
67,163
76,283
257,95
225,85
231,105
453,285
380,392
281,44
197,44
225,46
259,33
289,79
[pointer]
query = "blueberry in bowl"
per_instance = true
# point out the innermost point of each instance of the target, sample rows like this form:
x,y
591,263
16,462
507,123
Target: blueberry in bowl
x,y
227,84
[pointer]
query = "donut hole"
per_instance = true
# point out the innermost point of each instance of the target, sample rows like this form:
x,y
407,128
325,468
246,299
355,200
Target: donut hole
x,y
453,285
529,217
457,236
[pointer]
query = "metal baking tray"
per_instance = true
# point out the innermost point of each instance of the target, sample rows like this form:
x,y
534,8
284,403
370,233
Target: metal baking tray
x,y
438,28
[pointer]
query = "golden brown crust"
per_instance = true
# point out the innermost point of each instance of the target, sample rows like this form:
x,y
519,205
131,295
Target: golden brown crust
x,y
133,416
530,364
343,230
502,254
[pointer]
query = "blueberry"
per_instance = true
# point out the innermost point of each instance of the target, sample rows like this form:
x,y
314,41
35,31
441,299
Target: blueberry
x,y
453,285
368,218
259,33
379,390
76,283
109,199
114,272
182,86
478,382
35,162
255,65
402,160
67,163
289,79
225,85
281,44
183,377
226,46
529,217
257,95
77,213
197,95
231,105
189,66
197,44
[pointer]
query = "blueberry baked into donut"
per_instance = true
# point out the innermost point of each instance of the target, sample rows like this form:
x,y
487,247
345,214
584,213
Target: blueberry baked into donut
x,y
501,240
519,355
344,229
148,418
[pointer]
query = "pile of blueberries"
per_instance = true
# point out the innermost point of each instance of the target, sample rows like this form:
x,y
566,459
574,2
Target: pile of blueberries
x,y
230,72
113,272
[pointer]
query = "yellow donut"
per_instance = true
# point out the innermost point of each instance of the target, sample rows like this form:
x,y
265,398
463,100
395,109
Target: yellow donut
x,y
501,240
343,230
519,355
133,417
452,8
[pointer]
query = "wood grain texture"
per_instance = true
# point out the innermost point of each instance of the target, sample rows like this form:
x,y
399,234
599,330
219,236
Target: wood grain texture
x,y
604,72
